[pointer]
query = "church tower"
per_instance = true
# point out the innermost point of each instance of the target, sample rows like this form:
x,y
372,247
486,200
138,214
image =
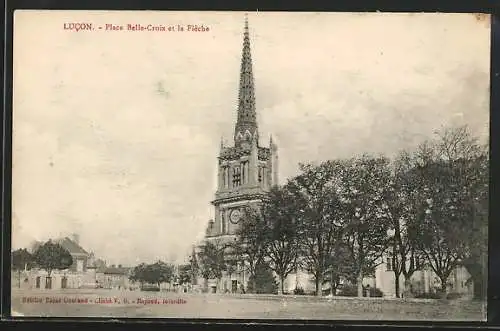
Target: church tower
x,y
246,170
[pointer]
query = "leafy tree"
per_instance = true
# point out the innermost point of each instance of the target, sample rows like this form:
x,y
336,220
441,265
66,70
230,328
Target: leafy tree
x,y
212,259
251,241
184,274
21,260
442,236
476,260
156,273
364,184
281,239
402,200
161,272
455,183
138,273
52,256
316,213
340,268
194,267
262,281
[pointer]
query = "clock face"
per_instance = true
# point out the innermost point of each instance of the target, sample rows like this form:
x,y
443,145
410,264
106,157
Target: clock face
x,y
235,216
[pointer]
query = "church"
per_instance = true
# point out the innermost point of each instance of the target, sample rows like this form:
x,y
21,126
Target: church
x,y
246,172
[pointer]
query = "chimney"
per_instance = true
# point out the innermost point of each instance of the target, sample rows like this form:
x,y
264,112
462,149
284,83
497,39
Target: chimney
x,y
76,238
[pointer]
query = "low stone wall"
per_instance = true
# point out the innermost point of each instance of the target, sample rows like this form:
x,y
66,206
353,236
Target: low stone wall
x,y
313,298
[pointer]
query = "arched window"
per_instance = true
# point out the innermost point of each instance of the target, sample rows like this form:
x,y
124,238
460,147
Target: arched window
x,y
244,172
236,176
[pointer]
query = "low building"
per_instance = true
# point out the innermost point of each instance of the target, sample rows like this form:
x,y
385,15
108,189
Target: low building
x,y
423,281
79,274
113,277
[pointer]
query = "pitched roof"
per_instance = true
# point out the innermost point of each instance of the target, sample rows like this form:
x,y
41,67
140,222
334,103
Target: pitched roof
x,y
71,246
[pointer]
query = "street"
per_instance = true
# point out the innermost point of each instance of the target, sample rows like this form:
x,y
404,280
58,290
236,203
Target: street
x,y
120,304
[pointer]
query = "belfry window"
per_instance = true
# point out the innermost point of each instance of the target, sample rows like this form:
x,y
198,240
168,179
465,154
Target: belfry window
x,y
244,172
261,174
236,176
225,177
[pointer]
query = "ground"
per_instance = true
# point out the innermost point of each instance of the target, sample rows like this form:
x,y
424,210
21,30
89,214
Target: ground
x,y
237,306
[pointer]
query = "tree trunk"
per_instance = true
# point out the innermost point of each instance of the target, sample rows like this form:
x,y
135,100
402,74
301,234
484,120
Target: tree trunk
x,y
205,285
407,293
254,285
19,276
444,287
319,283
280,288
396,285
359,279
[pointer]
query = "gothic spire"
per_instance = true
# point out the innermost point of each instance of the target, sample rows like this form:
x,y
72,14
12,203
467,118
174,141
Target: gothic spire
x,y
247,118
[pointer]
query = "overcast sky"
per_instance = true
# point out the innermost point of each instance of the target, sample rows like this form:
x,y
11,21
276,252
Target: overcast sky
x,y
116,133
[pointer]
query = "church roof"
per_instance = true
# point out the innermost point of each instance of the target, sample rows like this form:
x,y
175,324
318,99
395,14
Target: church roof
x,y
71,246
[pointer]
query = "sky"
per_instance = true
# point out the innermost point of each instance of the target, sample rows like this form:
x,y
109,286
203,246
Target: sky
x,y
116,133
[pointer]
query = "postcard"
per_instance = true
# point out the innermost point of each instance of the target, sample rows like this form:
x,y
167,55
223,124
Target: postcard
x,y
260,165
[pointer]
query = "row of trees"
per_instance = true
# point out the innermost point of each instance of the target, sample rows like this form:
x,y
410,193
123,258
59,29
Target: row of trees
x,y
338,219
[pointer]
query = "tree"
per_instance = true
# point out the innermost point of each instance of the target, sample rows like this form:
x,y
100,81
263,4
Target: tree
x,y
212,259
161,272
156,273
251,241
456,191
365,181
402,200
442,237
52,256
340,268
194,267
185,274
280,233
475,260
316,213
21,260
262,281
138,274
